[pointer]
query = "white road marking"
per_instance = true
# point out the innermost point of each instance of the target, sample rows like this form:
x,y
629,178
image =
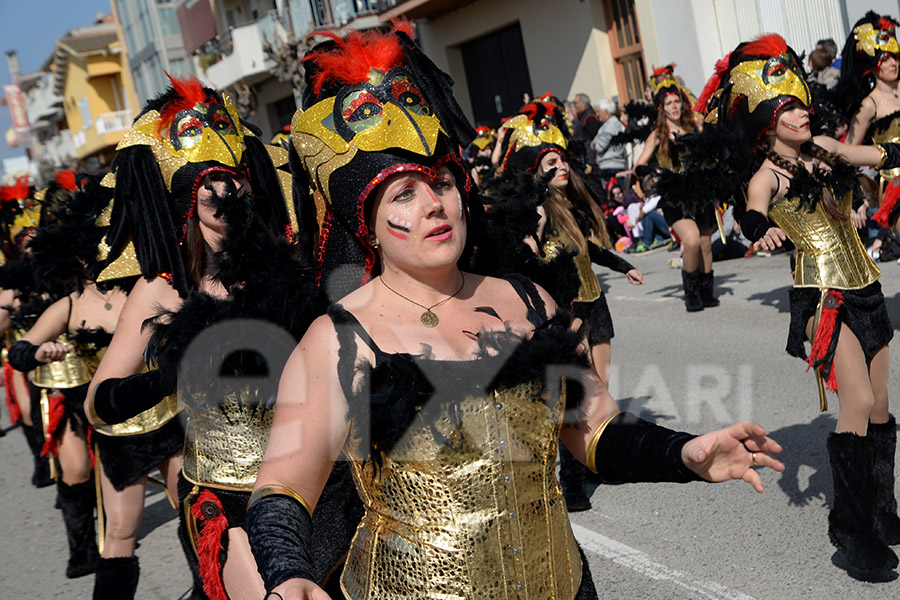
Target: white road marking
x,y
644,564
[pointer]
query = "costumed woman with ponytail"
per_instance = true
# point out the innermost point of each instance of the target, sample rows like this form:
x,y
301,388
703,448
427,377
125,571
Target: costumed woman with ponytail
x,y
432,379
199,207
868,89
692,222
19,214
63,349
806,186
572,227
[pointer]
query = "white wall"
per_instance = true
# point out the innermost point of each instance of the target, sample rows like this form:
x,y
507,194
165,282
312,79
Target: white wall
x,y
565,41
856,10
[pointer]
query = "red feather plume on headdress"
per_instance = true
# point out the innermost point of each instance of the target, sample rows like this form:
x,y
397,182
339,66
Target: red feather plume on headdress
x,y
15,192
189,92
886,23
714,83
356,54
768,45
669,68
66,180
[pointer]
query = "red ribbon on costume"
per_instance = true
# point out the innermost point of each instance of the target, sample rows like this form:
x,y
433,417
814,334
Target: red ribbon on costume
x,y
825,330
208,510
12,403
90,445
888,202
55,414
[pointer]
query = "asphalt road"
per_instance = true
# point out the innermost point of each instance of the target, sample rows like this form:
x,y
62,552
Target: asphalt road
x,y
697,541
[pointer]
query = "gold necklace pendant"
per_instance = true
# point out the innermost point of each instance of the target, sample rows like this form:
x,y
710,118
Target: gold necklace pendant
x,y
108,305
429,319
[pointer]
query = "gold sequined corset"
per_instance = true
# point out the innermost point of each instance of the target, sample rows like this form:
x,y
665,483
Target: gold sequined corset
x,y
74,370
883,130
466,507
589,288
224,441
829,252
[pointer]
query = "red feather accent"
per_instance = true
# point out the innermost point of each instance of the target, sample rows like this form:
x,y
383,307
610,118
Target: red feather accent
x,y
355,55
669,68
767,45
208,511
12,403
66,180
888,202
714,83
824,333
55,416
90,444
20,190
886,23
189,92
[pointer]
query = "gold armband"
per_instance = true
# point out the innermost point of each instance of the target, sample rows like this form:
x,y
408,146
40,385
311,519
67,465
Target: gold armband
x,y
272,490
591,456
92,412
884,156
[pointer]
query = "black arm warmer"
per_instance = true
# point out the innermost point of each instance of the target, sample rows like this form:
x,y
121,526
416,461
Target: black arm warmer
x,y
610,260
21,356
632,450
117,400
280,532
892,156
754,225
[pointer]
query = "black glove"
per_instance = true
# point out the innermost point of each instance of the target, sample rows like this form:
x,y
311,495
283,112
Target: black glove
x,y
754,225
21,356
632,450
117,400
280,532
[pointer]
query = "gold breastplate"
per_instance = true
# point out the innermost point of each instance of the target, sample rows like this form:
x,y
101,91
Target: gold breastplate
x,y
224,446
589,288
890,133
72,371
468,511
829,252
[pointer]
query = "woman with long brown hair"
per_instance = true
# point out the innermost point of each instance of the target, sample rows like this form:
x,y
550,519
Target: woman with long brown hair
x,y
692,223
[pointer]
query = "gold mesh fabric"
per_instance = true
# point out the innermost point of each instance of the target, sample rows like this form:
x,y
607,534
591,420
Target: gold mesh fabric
x,y
224,445
589,289
829,252
471,512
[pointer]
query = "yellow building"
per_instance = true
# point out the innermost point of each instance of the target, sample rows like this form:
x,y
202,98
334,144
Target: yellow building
x,y
98,96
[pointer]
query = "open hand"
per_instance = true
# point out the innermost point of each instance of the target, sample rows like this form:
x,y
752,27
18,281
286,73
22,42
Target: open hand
x,y
732,453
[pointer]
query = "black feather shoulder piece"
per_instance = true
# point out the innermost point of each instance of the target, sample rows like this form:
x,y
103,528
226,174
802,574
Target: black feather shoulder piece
x,y
641,120
841,179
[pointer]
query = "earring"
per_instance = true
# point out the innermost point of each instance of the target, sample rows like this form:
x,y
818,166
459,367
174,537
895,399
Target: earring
x,y
374,243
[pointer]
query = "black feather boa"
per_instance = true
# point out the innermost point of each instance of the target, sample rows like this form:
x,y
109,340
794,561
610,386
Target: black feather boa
x,y
510,216
396,391
840,179
718,163
641,121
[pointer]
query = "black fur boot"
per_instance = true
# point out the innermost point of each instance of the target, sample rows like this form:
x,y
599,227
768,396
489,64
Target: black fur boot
x,y
77,503
707,292
571,476
41,476
851,522
884,436
116,578
691,282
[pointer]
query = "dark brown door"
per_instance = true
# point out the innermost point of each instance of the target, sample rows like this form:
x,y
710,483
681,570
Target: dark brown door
x,y
627,49
497,74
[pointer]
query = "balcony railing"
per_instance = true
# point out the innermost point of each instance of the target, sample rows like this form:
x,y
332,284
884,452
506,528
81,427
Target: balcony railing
x,y
113,121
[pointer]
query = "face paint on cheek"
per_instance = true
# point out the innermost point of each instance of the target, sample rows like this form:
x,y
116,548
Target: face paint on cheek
x,y
397,230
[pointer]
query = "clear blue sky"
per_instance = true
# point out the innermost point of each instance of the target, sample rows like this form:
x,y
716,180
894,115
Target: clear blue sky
x,y
31,27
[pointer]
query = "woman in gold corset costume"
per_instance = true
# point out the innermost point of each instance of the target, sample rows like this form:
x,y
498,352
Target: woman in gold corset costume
x,y
870,66
222,256
806,187
431,378
692,223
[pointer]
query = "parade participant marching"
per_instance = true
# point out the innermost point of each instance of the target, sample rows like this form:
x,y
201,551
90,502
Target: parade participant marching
x,y
806,186
199,201
430,378
693,223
